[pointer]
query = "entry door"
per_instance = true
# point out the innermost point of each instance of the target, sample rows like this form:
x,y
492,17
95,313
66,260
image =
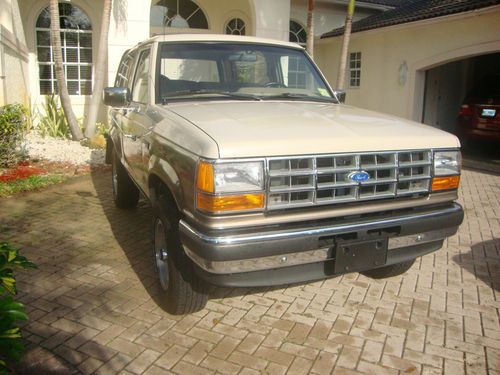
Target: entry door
x,y
136,122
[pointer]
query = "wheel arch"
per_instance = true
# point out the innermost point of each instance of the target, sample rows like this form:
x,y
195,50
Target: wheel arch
x,y
156,182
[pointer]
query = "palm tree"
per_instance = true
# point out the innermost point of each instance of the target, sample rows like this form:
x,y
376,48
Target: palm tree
x,y
310,28
345,45
100,72
55,36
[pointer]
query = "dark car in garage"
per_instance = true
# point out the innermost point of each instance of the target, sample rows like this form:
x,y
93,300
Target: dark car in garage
x,y
479,115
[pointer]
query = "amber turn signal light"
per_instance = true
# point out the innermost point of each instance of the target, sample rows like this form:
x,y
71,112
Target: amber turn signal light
x,y
445,183
223,203
205,177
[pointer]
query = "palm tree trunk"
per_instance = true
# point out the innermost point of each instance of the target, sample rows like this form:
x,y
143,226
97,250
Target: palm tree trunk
x,y
100,72
345,45
310,28
55,37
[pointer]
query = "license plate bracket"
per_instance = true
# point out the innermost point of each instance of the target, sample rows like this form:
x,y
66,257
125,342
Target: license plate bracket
x,y
354,256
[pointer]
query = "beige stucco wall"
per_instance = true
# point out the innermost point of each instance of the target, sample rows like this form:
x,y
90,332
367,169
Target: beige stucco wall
x,y
14,74
327,16
420,45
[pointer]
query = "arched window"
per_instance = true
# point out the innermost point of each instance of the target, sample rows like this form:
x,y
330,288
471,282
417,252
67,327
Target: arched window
x,y
297,33
178,13
76,43
236,26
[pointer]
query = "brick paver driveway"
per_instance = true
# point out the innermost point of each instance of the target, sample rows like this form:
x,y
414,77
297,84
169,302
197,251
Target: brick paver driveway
x,y
93,299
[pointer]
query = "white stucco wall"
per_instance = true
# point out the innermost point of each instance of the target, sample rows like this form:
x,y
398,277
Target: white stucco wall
x,y
14,73
272,18
129,26
421,45
30,10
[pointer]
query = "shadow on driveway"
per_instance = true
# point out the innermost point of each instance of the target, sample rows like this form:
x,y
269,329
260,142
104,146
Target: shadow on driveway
x,y
483,261
132,230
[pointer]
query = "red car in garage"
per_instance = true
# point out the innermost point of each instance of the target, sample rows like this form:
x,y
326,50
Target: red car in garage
x,y
479,115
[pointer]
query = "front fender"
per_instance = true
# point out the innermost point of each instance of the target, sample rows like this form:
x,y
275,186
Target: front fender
x,y
175,168
113,143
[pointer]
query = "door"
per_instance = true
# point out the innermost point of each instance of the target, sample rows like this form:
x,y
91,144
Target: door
x,y
137,124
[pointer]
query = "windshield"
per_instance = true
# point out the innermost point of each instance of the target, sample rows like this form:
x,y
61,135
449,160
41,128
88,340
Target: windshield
x,y
236,71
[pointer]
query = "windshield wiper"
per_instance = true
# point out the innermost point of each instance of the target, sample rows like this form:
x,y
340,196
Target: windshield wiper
x,y
235,95
293,96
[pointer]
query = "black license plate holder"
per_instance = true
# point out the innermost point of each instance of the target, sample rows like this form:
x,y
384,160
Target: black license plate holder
x,y
354,256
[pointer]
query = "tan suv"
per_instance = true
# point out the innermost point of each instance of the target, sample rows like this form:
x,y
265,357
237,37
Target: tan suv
x,y
258,175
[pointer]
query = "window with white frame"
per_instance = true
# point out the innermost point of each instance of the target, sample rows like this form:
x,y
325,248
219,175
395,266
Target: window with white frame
x,y
177,13
297,33
236,26
296,75
76,43
354,69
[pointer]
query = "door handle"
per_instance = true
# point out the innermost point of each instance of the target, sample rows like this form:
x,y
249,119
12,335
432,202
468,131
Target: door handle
x,y
129,136
126,110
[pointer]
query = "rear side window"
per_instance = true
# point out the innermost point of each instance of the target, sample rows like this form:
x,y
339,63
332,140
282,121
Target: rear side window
x,y
141,80
124,71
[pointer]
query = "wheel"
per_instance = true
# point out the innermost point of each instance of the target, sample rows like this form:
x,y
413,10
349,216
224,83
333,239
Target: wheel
x,y
389,271
181,289
125,193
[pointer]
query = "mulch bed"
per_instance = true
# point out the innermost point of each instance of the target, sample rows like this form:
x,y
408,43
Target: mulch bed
x,y
26,169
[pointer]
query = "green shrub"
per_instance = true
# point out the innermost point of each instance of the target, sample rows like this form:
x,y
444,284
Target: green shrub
x,y
12,131
53,122
11,345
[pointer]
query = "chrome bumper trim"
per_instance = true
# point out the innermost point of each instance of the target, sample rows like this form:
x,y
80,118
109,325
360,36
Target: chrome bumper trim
x,y
321,231
257,264
420,238
303,257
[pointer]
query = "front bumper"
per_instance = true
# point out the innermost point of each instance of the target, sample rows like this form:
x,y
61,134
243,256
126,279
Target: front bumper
x,y
275,255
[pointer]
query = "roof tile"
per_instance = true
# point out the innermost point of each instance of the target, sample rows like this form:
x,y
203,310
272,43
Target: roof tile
x,y
411,11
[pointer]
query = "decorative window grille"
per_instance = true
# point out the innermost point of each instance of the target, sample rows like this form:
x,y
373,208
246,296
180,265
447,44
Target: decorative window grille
x,y
179,14
236,26
76,44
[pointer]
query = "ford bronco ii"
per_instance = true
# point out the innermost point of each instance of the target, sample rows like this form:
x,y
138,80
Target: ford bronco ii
x,y
259,175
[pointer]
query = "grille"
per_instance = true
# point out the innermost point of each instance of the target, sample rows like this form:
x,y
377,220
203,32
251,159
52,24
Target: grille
x,y
325,179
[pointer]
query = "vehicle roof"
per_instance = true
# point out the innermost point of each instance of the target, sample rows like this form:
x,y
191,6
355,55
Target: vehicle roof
x,y
219,38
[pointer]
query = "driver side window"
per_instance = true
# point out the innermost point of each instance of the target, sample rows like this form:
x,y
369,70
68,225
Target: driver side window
x,y
141,80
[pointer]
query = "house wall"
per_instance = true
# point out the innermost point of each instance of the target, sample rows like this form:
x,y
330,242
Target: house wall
x,y
30,10
218,14
327,16
272,18
14,74
421,45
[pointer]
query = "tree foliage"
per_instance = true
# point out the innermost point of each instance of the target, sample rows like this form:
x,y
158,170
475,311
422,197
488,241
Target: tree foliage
x,y
11,345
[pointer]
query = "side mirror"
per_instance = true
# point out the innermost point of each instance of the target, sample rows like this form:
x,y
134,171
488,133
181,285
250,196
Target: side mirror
x,y
340,95
116,96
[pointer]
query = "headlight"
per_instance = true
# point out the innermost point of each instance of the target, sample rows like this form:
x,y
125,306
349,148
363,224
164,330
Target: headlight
x,y
447,165
238,177
231,186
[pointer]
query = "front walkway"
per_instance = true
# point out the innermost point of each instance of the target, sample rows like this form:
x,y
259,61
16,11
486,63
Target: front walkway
x,y
92,302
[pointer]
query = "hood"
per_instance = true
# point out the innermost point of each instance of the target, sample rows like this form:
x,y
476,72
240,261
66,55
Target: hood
x,y
278,128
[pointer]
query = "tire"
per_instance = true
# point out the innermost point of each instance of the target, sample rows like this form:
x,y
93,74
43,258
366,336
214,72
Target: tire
x,y
125,193
182,291
389,271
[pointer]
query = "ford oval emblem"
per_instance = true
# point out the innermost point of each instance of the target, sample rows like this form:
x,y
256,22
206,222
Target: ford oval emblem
x,y
359,176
